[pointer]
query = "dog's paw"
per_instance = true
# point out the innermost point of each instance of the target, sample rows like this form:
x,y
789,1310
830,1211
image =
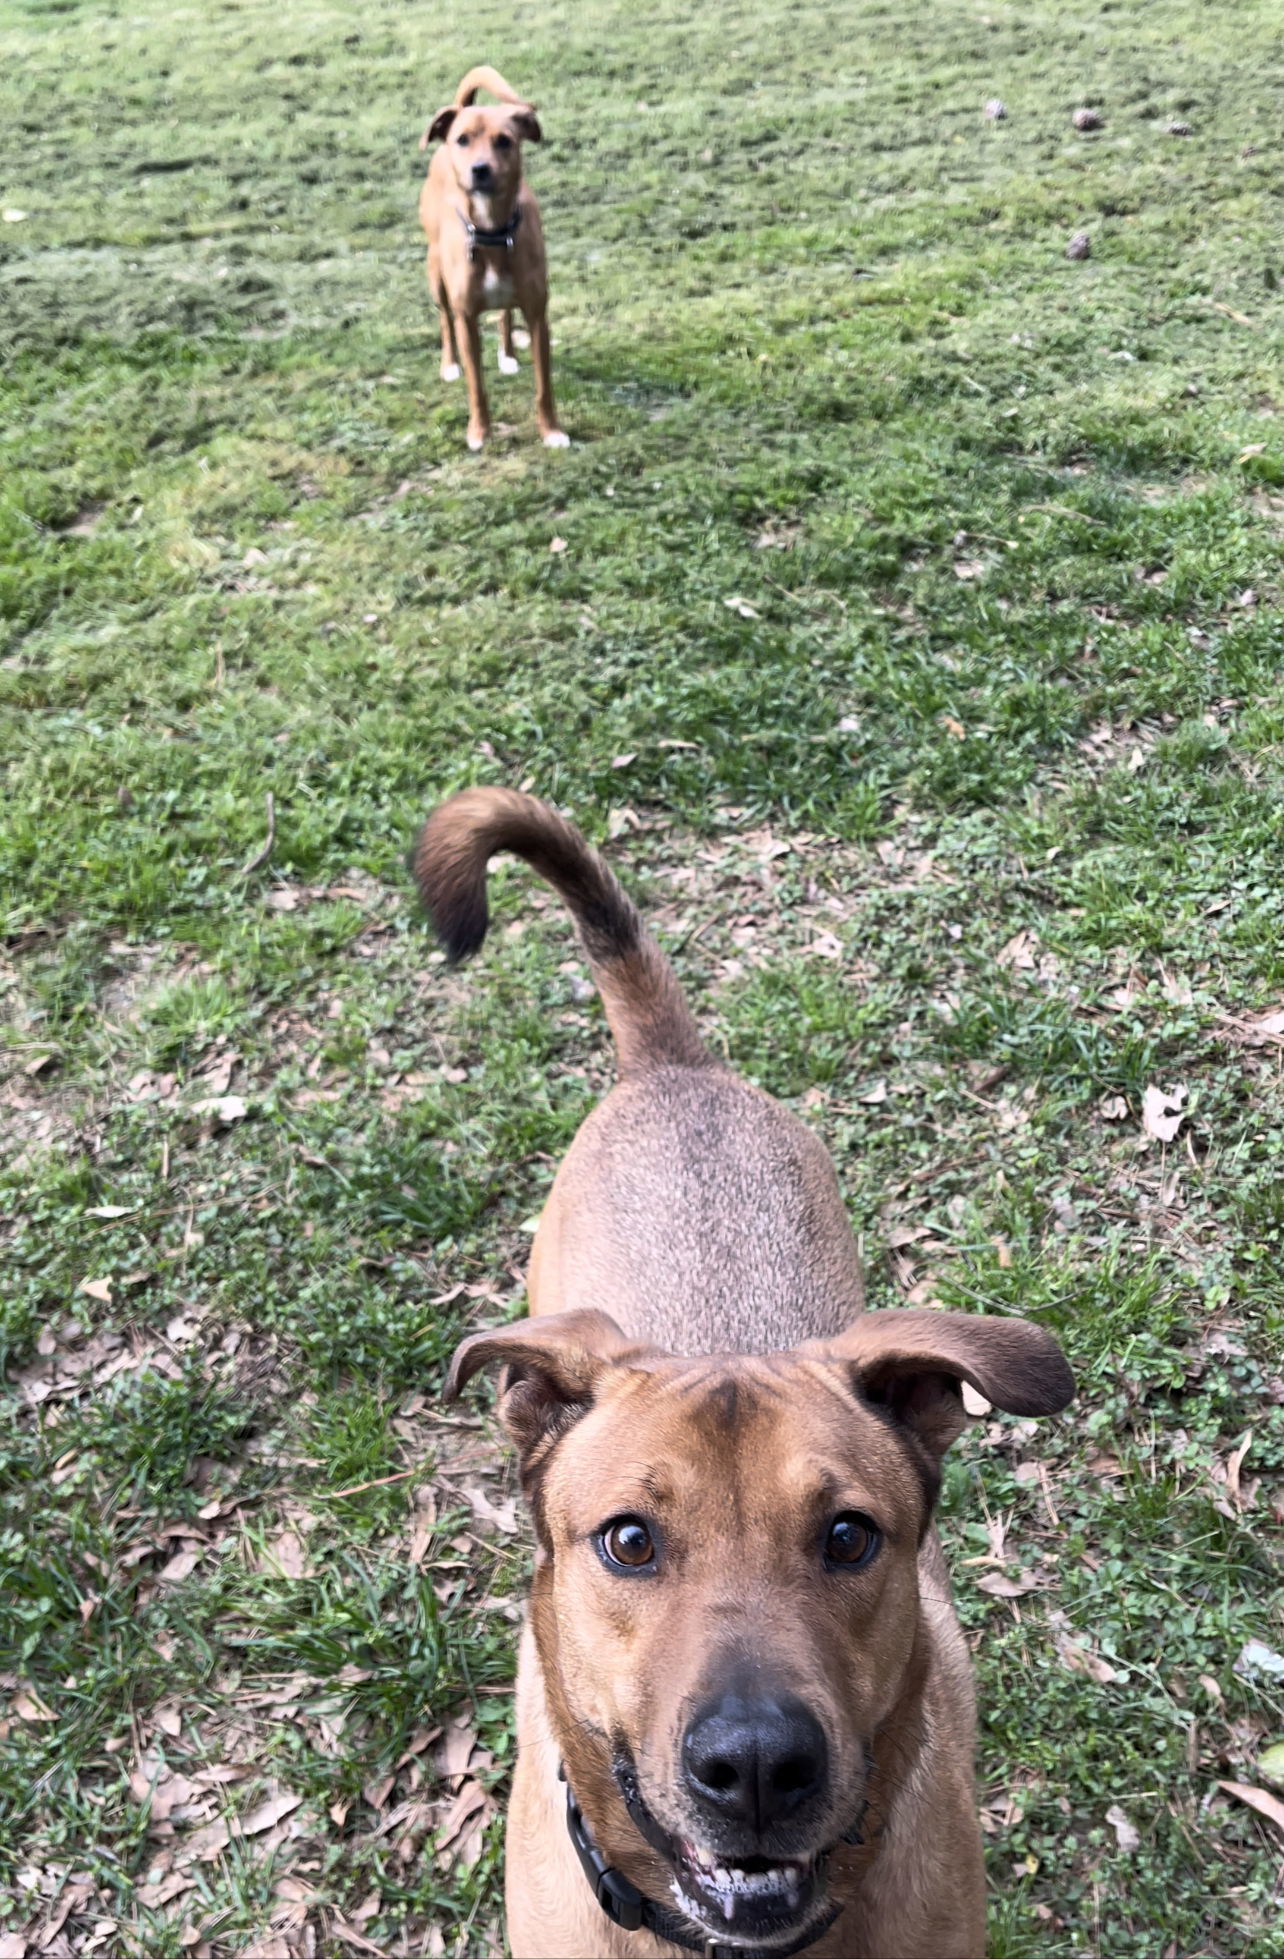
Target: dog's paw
x,y
476,441
507,363
557,439
450,370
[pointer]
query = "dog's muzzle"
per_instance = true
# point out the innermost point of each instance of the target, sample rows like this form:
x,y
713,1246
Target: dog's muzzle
x,y
687,1927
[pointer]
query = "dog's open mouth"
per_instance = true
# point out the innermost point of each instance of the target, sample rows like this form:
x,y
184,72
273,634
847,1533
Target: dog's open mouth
x,y
753,1894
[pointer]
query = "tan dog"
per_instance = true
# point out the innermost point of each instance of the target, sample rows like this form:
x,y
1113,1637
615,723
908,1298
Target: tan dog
x,y
740,1647
486,244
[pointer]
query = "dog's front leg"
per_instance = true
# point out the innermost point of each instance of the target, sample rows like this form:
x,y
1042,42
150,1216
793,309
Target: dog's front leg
x,y
449,350
437,287
555,437
478,406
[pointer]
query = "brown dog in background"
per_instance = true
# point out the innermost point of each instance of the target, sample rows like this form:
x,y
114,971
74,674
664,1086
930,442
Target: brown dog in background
x,y
745,1708
486,243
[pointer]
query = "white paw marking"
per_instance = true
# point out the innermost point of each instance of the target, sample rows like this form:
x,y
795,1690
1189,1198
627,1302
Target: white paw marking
x,y
450,370
476,441
507,365
557,439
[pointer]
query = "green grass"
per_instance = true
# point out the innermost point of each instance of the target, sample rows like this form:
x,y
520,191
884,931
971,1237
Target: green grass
x,y
1004,535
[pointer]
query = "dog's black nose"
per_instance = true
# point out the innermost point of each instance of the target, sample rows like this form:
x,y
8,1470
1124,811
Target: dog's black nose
x,y
483,174
754,1761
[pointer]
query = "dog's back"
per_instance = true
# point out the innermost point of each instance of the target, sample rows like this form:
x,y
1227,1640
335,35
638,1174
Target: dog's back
x,y
692,1208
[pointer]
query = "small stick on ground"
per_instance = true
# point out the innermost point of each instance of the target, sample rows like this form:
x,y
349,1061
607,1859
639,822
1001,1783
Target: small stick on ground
x,y
261,855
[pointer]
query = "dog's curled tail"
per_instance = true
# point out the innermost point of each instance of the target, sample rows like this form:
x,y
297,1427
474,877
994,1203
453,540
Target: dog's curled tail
x,y
651,1022
487,77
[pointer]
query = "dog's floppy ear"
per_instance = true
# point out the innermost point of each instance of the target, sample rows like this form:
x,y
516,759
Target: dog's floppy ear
x,y
439,127
552,1364
526,125
912,1361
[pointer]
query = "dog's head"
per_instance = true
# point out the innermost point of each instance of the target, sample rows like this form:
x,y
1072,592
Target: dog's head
x,y
726,1599
484,144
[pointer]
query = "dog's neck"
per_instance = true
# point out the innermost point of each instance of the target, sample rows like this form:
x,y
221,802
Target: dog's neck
x,y
490,213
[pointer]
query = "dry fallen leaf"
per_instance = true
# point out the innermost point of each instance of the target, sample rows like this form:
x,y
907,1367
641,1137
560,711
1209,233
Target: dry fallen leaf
x,y
340,1929
736,604
1076,1655
1019,952
206,1843
287,1555
999,1585
1126,1836
97,1289
111,1210
1234,1463
456,1748
557,545
1259,1799
223,1108
503,1515
180,1566
269,1812
966,568
1163,1112
156,1895
29,1707
463,1826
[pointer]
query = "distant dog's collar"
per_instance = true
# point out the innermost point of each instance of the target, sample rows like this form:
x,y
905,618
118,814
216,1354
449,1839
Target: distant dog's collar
x,y
628,1908
503,238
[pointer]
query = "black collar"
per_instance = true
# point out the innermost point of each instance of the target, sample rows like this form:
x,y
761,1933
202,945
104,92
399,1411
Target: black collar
x,y
626,1906
503,238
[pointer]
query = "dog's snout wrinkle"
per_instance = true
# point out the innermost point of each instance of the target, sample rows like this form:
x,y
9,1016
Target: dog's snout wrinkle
x,y
754,1761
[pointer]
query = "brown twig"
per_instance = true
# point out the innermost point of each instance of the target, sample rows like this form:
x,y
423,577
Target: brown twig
x,y
379,1483
1062,510
261,855
1231,314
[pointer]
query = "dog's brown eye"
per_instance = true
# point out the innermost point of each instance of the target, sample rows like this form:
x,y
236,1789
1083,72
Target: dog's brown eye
x,y
629,1543
462,142
503,142
852,1540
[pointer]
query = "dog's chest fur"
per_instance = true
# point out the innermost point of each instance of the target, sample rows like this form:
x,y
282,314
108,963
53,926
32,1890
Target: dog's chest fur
x,y
497,288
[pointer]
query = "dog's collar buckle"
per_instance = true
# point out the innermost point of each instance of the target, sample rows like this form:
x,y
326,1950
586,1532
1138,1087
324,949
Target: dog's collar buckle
x,y
501,240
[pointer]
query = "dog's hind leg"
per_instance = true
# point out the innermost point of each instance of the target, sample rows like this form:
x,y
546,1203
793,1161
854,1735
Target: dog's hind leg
x,y
507,358
555,436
